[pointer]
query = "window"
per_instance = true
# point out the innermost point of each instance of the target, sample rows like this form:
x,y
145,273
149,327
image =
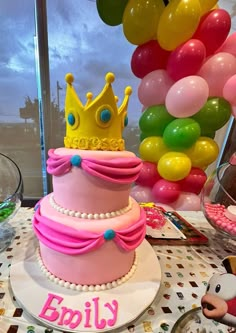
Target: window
x,y
19,120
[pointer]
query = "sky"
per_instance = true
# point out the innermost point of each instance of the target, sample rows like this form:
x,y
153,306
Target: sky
x,y
79,42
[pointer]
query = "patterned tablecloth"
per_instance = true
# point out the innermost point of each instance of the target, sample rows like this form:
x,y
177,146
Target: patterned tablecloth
x,y
185,273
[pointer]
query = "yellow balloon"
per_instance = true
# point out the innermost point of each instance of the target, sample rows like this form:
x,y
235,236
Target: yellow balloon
x,y
140,20
174,166
207,5
152,148
203,152
178,23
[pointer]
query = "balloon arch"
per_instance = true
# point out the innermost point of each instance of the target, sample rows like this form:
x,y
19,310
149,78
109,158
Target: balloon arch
x,y
185,59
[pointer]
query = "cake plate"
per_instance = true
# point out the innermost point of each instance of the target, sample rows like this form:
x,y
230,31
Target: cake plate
x,y
93,311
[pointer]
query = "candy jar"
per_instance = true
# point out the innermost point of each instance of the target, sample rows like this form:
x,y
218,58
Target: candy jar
x,y
11,191
218,198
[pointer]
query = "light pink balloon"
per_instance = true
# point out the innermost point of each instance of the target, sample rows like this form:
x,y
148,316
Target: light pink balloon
x,y
216,70
154,87
187,201
229,45
234,111
141,193
187,96
229,90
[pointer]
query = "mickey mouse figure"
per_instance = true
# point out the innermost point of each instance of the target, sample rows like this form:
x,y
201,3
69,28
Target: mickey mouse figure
x,y
219,302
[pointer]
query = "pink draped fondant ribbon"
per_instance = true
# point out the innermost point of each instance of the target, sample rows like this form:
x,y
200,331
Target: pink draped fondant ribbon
x,y
117,170
68,240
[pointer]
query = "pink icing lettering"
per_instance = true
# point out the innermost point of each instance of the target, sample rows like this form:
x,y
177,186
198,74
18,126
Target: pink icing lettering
x,y
47,307
87,314
70,314
102,323
114,311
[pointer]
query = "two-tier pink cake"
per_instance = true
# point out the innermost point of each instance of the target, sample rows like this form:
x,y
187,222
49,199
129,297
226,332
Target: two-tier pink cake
x,y
89,227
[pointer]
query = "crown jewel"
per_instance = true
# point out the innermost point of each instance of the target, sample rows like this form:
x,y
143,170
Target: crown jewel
x,y
97,125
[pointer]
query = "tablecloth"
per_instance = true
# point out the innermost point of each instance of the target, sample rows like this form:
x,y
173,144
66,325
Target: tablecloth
x,y
185,272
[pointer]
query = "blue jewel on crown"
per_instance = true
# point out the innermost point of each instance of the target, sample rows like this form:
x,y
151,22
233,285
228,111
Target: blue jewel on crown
x,y
105,116
71,119
109,234
76,160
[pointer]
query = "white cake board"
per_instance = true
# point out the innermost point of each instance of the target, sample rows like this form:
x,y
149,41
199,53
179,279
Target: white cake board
x,y
31,287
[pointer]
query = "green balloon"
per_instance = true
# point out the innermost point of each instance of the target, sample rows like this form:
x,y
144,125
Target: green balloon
x,y
214,114
207,132
181,133
111,11
154,120
142,136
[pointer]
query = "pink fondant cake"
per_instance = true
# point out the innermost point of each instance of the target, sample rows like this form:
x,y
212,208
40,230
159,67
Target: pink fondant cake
x,y
89,227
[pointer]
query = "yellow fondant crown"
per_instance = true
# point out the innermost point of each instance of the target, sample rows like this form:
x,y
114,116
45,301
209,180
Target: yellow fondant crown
x,y
97,125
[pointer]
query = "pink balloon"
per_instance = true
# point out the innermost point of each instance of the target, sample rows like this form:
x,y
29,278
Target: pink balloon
x,y
229,90
154,87
194,182
217,70
187,96
229,46
165,191
141,194
213,29
148,175
186,59
234,111
187,201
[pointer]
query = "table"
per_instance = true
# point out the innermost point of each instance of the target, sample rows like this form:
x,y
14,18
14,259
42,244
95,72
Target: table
x,y
185,273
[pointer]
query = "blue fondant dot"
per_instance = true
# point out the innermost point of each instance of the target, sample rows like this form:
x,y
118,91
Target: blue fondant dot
x,y
71,119
76,160
109,234
126,121
105,116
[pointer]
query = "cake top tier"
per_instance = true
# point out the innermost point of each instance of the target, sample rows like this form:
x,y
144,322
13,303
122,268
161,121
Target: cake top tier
x,y
99,124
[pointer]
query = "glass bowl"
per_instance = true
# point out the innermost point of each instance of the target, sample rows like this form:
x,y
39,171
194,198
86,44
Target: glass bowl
x,y
218,198
11,193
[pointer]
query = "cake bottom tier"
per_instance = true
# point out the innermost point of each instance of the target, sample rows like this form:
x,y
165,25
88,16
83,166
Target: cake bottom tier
x,y
102,266
79,252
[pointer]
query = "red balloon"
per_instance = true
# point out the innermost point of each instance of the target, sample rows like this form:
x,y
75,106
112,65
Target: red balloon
x,y
186,59
165,191
148,175
194,182
147,58
213,29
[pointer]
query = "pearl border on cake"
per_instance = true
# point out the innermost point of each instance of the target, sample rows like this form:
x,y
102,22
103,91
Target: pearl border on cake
x,y
80,287
96,216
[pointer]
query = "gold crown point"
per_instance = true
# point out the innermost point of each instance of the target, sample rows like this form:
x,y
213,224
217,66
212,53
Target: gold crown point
x,y
89,95
110,77
116,99
69,78
128,91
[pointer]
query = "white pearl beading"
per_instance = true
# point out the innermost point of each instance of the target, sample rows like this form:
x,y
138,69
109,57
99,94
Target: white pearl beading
x,y
89,216
80,287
